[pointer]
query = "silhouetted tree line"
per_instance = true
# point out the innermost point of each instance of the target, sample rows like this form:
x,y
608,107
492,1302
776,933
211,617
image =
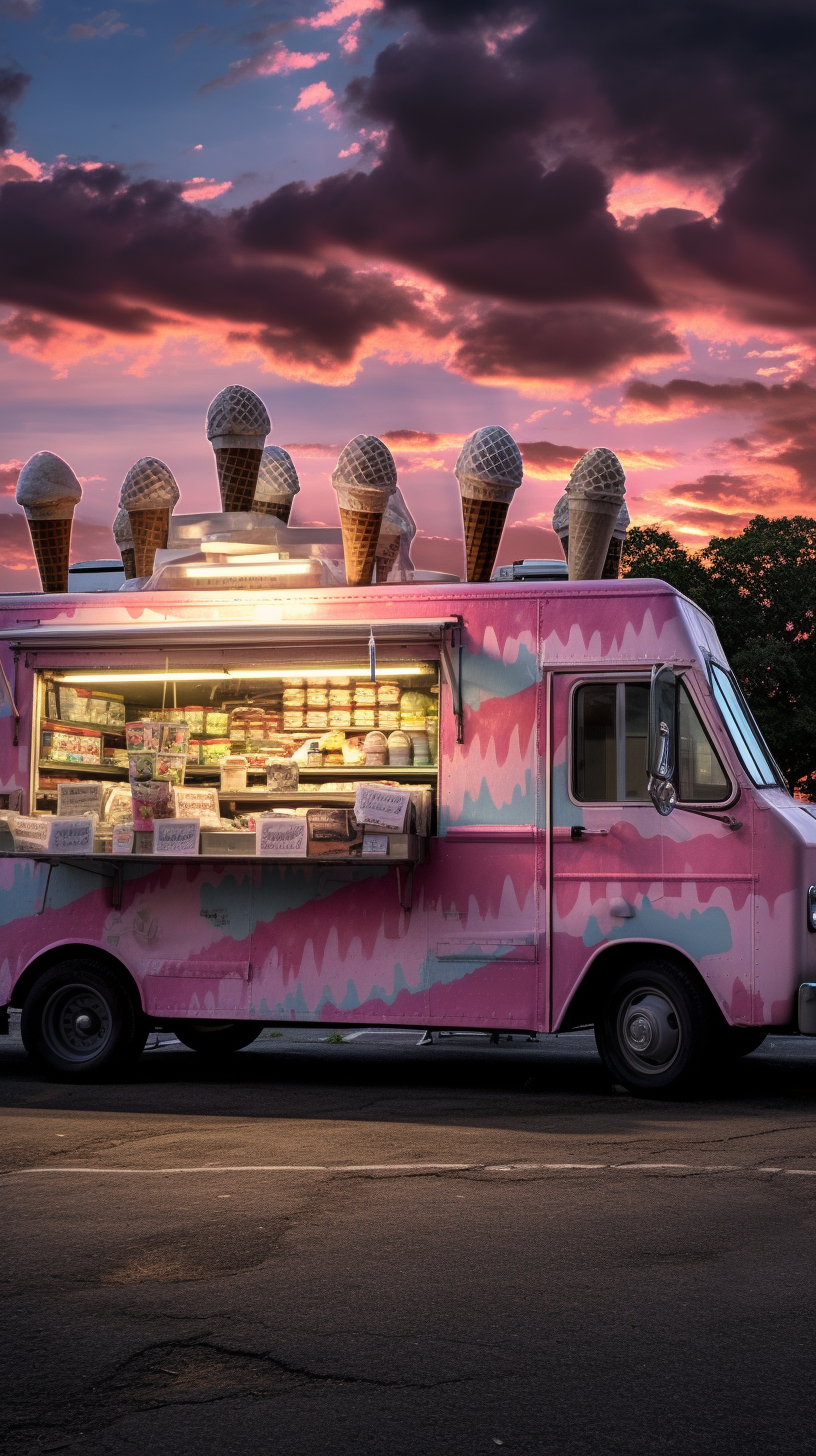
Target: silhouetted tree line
x,y
760,589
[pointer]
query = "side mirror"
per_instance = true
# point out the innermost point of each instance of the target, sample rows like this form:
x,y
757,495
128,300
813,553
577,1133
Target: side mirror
x,y
660,744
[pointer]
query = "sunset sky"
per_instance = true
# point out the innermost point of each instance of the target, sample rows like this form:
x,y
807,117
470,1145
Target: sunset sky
x,y
591,222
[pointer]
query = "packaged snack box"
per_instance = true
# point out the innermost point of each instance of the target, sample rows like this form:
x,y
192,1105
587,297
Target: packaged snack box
x,y
171,766
151,801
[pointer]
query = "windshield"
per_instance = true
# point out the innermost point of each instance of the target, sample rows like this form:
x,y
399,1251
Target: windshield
x,y
745,735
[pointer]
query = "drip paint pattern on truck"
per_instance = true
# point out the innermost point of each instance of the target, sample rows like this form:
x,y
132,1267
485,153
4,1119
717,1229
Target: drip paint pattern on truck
x,y
506,917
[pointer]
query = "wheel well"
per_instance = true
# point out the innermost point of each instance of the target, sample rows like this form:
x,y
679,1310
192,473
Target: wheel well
x,y
583,1007
101,958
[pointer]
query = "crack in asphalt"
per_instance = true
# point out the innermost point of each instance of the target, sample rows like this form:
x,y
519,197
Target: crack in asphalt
x,y
171,1373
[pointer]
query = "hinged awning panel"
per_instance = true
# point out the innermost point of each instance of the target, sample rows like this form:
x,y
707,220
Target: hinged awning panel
x,y
160,636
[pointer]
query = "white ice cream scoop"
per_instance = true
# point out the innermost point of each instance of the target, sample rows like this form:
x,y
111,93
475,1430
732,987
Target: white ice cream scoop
x,y
237,418
47,488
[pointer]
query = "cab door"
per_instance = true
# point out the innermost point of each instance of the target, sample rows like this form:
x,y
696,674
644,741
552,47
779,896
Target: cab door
x,y
607,838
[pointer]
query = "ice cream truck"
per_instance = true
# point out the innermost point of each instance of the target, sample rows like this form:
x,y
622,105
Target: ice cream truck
x,y
592,833
283,776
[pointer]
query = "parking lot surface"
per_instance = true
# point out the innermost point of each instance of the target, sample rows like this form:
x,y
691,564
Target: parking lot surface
x,y
371,1245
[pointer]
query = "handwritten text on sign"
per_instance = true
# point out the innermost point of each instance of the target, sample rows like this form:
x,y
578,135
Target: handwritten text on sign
x,y
79,799
198,804
281,837
175,836
381,808
55,836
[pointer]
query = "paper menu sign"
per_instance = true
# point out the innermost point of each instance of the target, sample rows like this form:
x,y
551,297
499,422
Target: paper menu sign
x,y
55,836
176,836
375,844
281,836
76,799
199,804
381,808
31,834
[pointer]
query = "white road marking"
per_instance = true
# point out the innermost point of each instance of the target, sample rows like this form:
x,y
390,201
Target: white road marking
x,y
422,1168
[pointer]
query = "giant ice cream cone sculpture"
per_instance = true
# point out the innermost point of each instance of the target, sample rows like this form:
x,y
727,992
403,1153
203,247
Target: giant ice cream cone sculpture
x,y
278,483
365,478
48,491
149,494
123,536
560,523
595,491
237,426
612,565
489,471
397,531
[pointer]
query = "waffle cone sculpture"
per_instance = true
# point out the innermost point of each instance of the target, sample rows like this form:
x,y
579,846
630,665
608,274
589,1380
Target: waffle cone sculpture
x,y
595,491
614,554
560,523
365,478
277,485
489,471
148,496
48,491
123,536
237,426
397,531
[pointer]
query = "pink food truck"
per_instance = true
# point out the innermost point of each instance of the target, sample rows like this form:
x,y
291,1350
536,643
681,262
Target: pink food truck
x,y
584,826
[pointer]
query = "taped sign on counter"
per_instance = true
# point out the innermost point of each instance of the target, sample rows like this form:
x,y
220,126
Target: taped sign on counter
x,y
176,836
381,808
49,835
280,836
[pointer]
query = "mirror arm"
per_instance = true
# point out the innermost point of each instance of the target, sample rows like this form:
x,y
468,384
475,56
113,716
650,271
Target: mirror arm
x,y
709,814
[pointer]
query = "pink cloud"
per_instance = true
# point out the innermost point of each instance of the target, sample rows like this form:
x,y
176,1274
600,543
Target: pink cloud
x,y
20,167
340,11
277,61
633,194
9,470
204,189
318,94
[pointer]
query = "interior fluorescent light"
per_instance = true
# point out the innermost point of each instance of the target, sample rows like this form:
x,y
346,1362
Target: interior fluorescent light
x,y
278,568
114,676
385,670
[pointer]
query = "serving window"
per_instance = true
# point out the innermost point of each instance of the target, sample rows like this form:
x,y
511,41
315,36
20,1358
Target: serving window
x,y
296,740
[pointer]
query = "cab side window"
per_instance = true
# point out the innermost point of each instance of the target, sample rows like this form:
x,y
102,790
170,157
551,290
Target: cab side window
x,y
610,727
609,743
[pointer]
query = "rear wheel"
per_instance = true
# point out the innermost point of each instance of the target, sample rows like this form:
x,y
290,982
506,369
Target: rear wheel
x,y
81,1021
217,1038
655,1032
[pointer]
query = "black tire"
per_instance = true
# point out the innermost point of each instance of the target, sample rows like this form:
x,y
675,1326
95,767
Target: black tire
x,y
217,1038
740,1041
82,1022
656,1032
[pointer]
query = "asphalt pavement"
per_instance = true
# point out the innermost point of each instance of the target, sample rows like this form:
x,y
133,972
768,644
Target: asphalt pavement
x,y
371,1246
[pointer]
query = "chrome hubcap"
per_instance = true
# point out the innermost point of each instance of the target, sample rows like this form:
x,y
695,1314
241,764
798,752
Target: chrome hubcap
x,y
649,1030
77,1023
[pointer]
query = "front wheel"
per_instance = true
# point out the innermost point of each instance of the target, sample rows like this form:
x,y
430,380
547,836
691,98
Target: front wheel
x,y
216,1038
80,1021
655,1032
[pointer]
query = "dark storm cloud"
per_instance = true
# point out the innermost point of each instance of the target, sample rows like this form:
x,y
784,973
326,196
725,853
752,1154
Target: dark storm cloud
x,y
552,343
504,130
13,82
92,247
